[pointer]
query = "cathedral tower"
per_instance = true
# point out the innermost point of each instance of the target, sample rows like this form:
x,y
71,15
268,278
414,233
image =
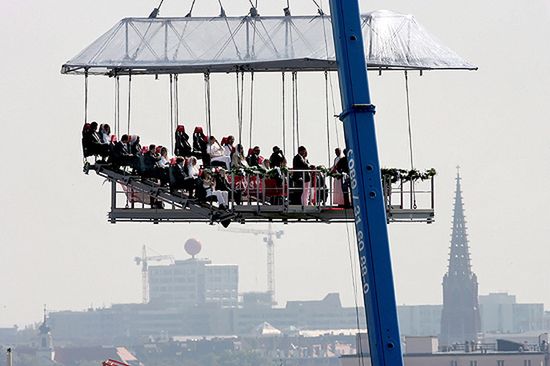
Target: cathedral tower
x,y
460,319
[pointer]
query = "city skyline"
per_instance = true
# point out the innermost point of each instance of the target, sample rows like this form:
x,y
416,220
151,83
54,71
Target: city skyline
x,y
57,247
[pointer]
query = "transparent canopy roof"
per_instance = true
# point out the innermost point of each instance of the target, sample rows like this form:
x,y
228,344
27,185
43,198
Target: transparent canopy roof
x,y
224,44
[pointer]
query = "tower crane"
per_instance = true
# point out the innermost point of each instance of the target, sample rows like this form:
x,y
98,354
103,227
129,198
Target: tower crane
x,y
144,261
269,237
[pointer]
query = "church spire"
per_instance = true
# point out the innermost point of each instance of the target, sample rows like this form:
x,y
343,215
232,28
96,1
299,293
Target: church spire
x,y
460,318
459,260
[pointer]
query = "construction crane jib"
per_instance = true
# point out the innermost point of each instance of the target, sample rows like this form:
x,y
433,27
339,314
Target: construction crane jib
x,y
269,236
144,261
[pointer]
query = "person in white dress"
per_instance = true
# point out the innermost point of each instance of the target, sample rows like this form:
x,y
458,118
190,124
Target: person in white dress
x,y
209,184
217,152
228,146
192,168
163,162
337,193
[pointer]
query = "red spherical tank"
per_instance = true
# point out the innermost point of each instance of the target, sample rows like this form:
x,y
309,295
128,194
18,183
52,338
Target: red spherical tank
x,y
193,247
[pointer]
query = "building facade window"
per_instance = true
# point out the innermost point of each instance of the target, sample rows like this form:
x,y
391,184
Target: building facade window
x,y
454,363
527,363
500,362
473,363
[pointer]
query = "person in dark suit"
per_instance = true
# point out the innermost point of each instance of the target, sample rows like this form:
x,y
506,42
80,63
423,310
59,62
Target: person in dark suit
x,y
182,147
120,155
302,177
253,158
277,158
343,167
200,143
150,160
179,178
91,142
223,185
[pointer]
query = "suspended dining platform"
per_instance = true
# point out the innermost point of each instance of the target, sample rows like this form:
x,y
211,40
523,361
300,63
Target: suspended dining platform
x,y
134,199
180,45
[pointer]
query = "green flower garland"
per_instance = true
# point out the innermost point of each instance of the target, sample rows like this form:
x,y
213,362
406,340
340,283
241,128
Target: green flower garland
x,y
394,175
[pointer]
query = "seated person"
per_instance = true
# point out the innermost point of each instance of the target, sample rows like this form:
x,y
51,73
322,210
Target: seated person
x,y
105,133
179,179
163,166
277,158
254,158
192,168
150,160
91,142
163,162
228,145
85,133
120,155
206,191
134,145
238,160
182,147
223,185
200,142
217,153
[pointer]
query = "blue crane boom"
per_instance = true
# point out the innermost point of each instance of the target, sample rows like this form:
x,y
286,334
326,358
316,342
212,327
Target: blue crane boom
x,y
366,184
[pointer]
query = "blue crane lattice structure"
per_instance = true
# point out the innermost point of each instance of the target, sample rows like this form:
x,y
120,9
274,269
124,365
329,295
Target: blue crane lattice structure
x,y
368,199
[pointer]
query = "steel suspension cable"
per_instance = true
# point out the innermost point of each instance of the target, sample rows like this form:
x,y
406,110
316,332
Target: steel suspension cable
x,y
176,100
319,9
129,99
327,119
176,106
207,103
171,112
239,104
156,11
284,114
411,150
242,100
293,114
409,119
86,96
251,106
354,281
336,120
223,15
297,109
116,128
188,15
325,38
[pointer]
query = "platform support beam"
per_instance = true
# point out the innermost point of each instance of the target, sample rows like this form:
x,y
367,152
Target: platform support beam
x,y
366,183
113,199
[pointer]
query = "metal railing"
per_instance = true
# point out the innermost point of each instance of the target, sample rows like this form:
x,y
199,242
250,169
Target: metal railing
x,y
285,188
405,194
281,193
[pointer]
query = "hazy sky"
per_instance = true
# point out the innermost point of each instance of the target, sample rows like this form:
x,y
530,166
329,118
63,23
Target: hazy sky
x,y
58,249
